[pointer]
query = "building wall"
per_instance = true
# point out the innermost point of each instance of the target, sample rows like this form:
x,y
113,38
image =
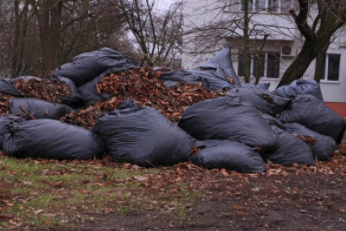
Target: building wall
x,y
196,13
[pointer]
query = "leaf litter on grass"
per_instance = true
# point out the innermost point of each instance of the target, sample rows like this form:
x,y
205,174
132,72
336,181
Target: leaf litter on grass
x,y
35,192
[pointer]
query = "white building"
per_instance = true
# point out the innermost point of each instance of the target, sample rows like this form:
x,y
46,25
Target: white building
x,y
269,18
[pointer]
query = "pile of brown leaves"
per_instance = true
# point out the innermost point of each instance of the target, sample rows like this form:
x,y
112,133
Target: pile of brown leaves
x,y
85,118
51,90
144,88
342,148
4,104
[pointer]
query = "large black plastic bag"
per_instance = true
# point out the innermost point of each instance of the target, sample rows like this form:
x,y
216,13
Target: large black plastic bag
x,y
51,139
301,86
272,121
172,78
307,86
263,100
4,121
87,66
323,147
263,86
290,150
211,81
315,115
143,136
228,154
28,77
228,118
74,99
8,87
38,108
286,91
222,64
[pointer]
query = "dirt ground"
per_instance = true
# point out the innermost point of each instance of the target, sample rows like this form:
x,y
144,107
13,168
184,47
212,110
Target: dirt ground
x,y
290,198
308,202
295,198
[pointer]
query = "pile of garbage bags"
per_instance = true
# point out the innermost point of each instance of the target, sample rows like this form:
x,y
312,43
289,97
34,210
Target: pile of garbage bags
x,y
240,130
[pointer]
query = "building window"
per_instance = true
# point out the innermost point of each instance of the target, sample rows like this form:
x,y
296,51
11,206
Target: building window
x,y
332,67
279,6
260,5
273,5
265,64
286,5
240,3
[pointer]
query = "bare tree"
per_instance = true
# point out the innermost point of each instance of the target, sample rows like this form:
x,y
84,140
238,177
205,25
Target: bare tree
x,y
49,15
242,28
156,31
316,20
330,17
15,30
38,35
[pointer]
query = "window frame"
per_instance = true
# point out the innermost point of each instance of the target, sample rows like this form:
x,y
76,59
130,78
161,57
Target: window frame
x,y
237,6
265,64
326,68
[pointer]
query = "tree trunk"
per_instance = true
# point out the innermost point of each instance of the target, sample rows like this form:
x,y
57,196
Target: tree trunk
x,y
246,43
300,64
50,26
320,63
17,30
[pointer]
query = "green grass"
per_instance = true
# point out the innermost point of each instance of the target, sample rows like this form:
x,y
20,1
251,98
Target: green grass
x,y
65,194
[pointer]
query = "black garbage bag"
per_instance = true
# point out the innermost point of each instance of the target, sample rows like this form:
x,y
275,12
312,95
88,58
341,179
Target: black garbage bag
x,y
38,108
263,86
4,121
211,81
263,100
27,77
228,118
290,150
222,64
300,86
286,91
308,86
228,154
8,87
311,112
51,139
74,99
87,66
172,78
324,146
143,136
272,121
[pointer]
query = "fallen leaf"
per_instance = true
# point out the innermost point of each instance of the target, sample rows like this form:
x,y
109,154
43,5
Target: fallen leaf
x,y
5,217
45,171
256,189
8,204
141,178
342,210
224,172
238,207
38,211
